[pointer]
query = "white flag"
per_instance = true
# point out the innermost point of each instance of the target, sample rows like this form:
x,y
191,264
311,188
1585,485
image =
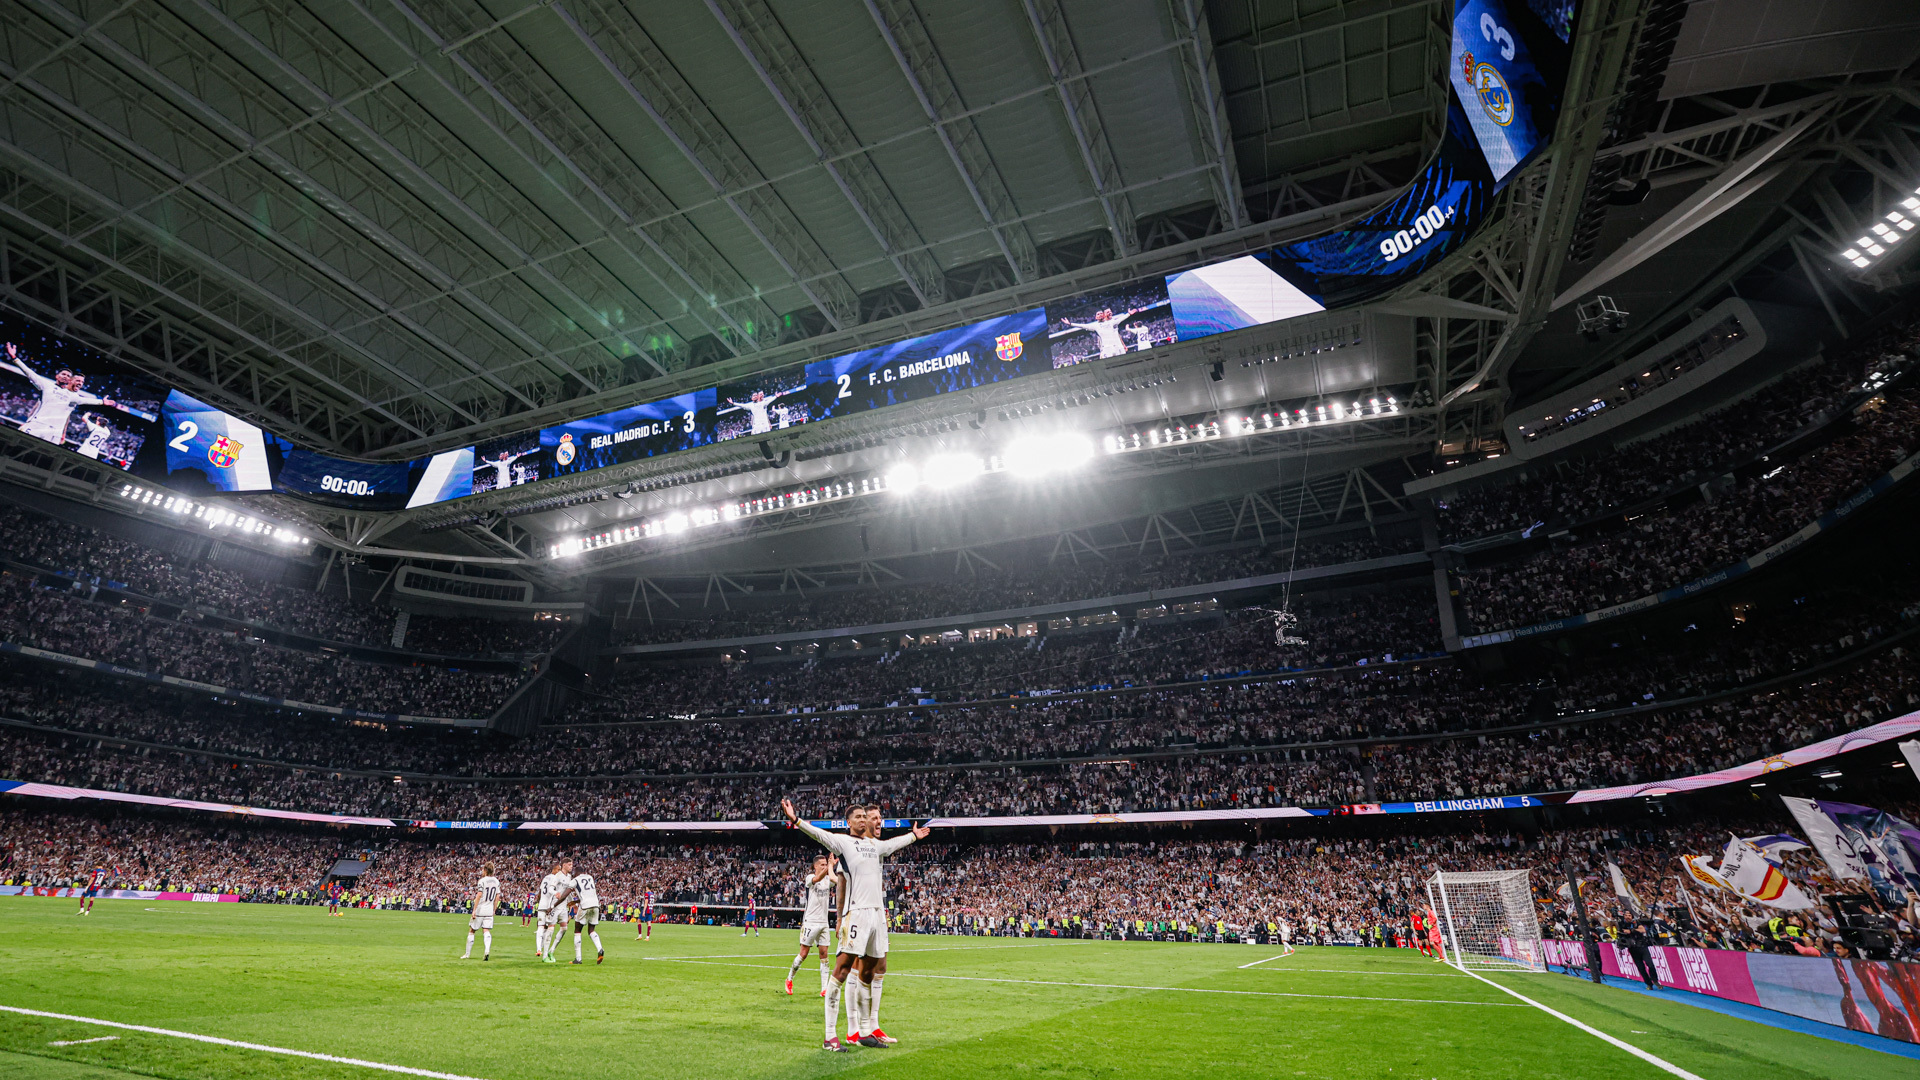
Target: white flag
x,y
1839,855
1752,876
1911,750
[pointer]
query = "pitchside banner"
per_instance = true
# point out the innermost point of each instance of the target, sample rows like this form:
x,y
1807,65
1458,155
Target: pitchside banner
x,y
1872,996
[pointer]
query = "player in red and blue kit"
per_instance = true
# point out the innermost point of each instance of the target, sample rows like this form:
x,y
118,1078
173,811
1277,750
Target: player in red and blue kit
x,y
526,913
645,922
333,899
95,882
751,922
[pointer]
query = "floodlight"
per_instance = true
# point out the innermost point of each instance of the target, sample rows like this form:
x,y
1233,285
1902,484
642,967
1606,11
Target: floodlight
x,y
902,479
1044,455
950,470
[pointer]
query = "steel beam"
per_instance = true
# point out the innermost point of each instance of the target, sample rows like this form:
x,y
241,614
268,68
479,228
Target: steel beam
x,y
1050,33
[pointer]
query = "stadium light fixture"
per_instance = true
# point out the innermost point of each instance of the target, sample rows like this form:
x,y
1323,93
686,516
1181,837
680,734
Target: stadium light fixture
x,y
945,471
1045,455
1881,236
903,479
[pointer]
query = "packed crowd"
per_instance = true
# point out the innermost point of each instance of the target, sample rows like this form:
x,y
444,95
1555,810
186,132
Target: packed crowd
x,y
68,623
99,559
1087,579
1614,478
1667,548
1362,628
1356,735
1319,889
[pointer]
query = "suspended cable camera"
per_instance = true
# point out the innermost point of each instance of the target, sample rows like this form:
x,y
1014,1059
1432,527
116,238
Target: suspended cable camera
x,y
1283,623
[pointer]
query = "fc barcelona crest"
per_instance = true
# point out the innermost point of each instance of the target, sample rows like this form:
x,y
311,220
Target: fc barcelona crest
x,y
225,452
1007,346
565,451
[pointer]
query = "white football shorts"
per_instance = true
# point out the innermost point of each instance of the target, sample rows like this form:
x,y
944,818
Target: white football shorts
x,y
546,917
864,933
815,934
589,916
480,922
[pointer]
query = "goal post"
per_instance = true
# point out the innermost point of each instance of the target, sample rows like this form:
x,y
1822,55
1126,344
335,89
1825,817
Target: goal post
x,y
1487,919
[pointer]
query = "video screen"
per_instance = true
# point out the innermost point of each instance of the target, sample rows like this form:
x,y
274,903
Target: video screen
x,y
211,452
368,485
1402,238
1509,104
640,431
448,475
72,396
1234,295
1125,318
507,462
912,370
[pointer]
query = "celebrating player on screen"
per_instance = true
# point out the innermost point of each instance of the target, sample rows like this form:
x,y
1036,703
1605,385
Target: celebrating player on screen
x,y
58,398
758,409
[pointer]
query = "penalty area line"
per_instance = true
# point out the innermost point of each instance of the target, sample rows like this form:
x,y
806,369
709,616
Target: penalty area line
x,y
1130,986
1651,1059
263,1048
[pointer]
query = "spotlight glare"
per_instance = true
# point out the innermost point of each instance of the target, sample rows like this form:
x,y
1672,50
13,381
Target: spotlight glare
x,y
1044,455
902,479
944,471
676,523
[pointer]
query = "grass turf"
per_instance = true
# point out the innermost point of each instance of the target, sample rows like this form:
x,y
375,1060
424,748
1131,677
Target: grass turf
x,y
701,1002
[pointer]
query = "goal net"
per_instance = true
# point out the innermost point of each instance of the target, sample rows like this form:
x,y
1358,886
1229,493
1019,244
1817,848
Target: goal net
x,y
1487,919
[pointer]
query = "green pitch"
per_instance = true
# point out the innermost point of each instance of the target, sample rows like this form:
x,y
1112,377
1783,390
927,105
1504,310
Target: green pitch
x,y
387,987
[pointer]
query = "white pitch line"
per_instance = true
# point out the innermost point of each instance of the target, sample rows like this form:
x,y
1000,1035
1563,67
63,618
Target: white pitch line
x,y
1257,963
1596,1032
410,1071
941,948
83,1042
1130,986
1291,969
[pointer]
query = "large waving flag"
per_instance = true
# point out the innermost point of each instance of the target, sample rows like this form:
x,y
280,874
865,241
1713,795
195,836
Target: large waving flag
x,y
1751,874
1828,841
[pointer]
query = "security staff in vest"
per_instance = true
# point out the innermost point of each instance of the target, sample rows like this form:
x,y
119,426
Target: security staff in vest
x,y
1638,939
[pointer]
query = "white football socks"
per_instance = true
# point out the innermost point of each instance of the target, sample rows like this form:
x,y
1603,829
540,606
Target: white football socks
x,y
486,942
576,944
826,976
469,951
834,989
866,1008
873,1010
597,947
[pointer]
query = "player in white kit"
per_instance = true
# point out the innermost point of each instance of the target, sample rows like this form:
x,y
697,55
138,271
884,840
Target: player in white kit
x,y
821,890
757,408
99,435
1105,329
485,896
863,927
554,890
586,890
58,398
502,467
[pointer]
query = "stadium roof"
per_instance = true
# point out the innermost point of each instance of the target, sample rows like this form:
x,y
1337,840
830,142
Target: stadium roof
x,y
391,227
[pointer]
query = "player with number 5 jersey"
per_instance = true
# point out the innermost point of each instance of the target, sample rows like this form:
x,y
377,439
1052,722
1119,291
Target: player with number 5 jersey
x,y
863,928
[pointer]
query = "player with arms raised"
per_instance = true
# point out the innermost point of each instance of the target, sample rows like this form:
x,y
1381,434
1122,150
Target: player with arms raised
x,y
821,892
863,929
58,398
757,407
486,897
588,916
